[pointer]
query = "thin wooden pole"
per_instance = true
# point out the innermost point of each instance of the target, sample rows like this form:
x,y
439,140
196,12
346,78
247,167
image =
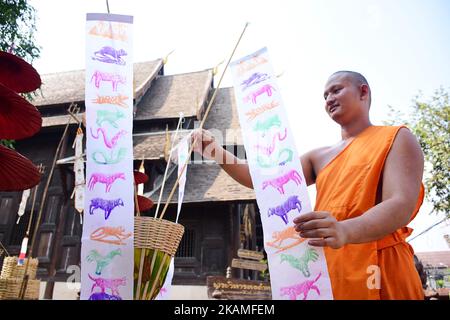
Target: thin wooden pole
x,y
44,195
159,272
24,283
201,124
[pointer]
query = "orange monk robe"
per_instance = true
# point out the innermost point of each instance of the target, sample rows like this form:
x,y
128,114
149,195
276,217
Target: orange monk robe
x,y
347,187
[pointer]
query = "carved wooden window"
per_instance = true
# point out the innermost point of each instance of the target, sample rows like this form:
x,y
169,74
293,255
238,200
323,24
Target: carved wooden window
x,y
5,209
44,246
186,248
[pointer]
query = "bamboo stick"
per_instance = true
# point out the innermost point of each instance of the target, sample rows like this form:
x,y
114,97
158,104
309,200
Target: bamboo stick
x,y
201,124
159,272
44,195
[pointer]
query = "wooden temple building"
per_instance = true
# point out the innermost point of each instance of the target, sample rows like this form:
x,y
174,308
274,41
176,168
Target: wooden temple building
x,y
219,215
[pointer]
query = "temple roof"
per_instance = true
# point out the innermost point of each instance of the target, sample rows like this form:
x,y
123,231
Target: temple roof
x,y
66,87
172,94
208,182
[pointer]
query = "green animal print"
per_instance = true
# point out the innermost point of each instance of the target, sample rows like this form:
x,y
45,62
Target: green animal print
x,y
108,158
102,261
109,116
301,264
267,124
263,163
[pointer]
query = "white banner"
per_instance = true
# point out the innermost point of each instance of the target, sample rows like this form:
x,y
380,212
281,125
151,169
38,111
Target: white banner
x,y
297,270
183,153
107,253
80,182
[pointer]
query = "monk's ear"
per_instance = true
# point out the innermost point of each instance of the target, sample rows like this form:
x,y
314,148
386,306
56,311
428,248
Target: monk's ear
x,y
364,89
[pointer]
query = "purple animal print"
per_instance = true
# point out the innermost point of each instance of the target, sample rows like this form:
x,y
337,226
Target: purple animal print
x,y
112,284
267,88
106,205
108,180
110,55
108,143
302,288
278,183
291,203
103,296
254,79
104,76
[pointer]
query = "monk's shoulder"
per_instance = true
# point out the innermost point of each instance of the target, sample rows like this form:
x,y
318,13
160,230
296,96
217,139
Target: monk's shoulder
x,y
406,144
320,156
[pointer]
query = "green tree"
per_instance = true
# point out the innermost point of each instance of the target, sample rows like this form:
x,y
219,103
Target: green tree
x,y
429,121
17,28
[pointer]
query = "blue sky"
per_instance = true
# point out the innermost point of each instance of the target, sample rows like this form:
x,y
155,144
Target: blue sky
x,y
401,46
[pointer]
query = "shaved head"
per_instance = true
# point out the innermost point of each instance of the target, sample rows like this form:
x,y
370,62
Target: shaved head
x,y
356,78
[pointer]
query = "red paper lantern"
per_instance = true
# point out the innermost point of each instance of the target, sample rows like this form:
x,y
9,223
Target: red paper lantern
x,y
17,74
19,119
144,203
139,177
16,172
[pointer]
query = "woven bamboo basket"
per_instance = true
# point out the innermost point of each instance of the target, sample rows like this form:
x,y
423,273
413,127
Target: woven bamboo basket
x,y
159,239
10,288
10,268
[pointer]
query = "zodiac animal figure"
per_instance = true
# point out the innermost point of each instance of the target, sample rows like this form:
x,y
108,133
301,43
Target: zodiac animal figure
x,y
113,235
102,261
247,65
282,210
103,296
106,205
264,126
115,79
108,143
253,113
255,78
278,183
110,55
109,116
115,100
252,96
267,163
109,159
301,263
110,30
108,180
287,234
302,288
112,284
267,150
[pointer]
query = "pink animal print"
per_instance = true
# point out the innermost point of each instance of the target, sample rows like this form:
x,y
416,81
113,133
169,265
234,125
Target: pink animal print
x,y
104,76
109,143
269,149
112,284
108,180
267,88
279,182
302,288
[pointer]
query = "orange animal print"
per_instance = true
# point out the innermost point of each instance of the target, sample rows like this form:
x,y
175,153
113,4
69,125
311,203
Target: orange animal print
x,y
113,235
115,100
250,64
252,114
110,30
286,234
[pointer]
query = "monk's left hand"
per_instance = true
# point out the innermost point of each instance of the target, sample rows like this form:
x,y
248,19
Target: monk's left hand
x,y
321,225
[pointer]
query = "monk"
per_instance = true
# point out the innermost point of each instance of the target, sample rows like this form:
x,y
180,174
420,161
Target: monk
x,y
368,189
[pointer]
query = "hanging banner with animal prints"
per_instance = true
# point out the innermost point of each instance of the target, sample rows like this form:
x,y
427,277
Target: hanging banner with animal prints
x,y
107,252
297,271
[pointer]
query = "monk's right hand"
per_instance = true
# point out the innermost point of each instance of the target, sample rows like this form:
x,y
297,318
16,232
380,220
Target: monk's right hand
x,y
204,143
